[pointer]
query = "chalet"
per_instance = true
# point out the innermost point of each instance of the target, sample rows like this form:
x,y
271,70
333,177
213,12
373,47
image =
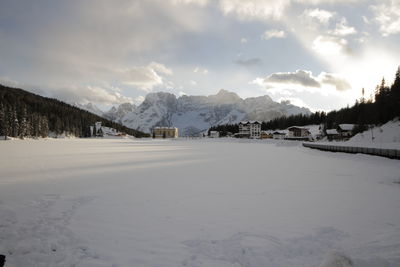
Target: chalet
x,y
298,133
265,135
165,132
345,130
332,134
249,129
278,135
214,134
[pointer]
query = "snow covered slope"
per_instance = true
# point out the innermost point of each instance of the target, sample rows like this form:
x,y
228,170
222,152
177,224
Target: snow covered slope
x,y
194,114
385,136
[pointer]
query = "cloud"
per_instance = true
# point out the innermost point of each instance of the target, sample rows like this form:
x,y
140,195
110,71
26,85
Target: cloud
x,y
254,9
139,99
94,94
300,77
330,45
243,41
304,79
319,15
340,83
270,10
387,15
317,2
200,70
342,29
273,34
197,2
145,77
248,62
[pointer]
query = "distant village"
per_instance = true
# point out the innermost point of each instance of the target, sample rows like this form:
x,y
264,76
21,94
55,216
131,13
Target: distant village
x,y
252,130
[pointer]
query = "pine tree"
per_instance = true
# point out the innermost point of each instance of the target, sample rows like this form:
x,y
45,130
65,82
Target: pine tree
x,y
44,126
23,127
3,121
14,123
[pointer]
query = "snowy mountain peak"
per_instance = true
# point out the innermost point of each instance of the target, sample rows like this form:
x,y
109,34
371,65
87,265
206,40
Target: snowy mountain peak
x,y
225,97
195,114
116,114
89,107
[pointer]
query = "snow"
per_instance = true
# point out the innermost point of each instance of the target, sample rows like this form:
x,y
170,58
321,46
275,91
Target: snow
x,y
195,202
384,136
346,127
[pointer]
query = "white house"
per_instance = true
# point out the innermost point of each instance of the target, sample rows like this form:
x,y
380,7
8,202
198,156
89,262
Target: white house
x,y
278,135
332,134
345,130
214,134
298,133
250,129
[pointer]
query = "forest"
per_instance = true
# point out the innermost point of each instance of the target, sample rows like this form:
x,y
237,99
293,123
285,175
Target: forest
x,y
384,107
24,114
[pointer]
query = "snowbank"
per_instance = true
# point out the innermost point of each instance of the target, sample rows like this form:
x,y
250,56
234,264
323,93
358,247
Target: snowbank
x,y
385,136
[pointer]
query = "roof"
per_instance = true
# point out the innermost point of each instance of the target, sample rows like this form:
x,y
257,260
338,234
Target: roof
x,y
166,128
297,127
346,127
278,133
250,122
331,131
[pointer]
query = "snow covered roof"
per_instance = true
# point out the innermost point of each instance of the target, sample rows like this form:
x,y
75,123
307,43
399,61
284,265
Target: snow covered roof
x,y
278,133
346,127
331,131
250,122
166,128
297,127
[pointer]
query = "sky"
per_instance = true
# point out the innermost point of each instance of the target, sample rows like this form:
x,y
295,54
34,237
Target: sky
x,y
315,53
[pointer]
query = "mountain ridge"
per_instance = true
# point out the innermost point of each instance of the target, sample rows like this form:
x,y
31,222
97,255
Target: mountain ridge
x,y
195,114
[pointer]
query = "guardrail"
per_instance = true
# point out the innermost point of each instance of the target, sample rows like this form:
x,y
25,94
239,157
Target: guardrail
x,y
383,152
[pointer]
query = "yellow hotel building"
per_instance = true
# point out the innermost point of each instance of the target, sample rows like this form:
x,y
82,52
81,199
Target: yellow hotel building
x,y
165,132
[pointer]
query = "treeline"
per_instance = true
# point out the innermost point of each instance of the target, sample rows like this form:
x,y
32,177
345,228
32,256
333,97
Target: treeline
x,y
225,129
384,107
24,114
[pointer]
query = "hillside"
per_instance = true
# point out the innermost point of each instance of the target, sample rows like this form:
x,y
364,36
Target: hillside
x,y
26,114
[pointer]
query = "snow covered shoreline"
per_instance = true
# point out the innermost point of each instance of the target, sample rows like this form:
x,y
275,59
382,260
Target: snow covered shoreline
x,y
143,202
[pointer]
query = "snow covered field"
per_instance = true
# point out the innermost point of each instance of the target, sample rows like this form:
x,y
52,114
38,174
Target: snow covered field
x,y
125,202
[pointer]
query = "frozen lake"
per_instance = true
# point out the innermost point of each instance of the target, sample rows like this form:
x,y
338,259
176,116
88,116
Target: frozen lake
x,y
95,202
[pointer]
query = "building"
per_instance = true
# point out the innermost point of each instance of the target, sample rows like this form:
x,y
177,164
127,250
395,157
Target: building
x,y
345,130
278,135
332,134
265,135
298,133
165,132
249,129
96,130
214,134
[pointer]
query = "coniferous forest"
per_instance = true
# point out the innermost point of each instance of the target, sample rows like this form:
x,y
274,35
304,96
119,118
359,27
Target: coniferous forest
x,y
24,114
384,107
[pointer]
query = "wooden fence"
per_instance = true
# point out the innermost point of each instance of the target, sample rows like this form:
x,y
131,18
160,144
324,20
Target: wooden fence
x,y
383,152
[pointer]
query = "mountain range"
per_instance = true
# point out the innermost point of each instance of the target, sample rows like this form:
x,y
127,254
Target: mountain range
x,y
195,114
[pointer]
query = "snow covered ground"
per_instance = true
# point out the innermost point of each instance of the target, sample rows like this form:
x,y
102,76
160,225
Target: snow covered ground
x,y
222,202
384,136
